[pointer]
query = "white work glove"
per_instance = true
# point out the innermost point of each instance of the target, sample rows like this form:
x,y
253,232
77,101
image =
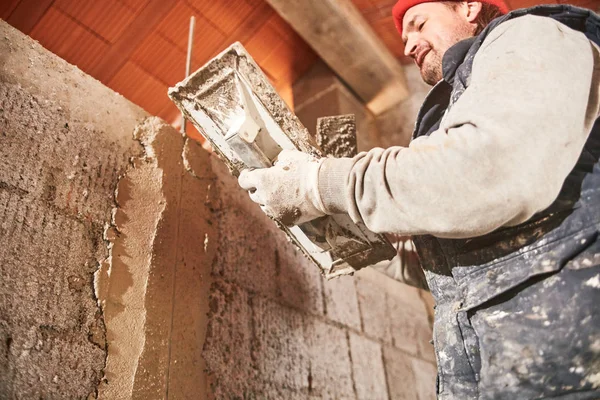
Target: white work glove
x,y
288,191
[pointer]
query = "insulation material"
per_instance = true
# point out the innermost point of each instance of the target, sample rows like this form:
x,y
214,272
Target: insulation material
x,y
234,106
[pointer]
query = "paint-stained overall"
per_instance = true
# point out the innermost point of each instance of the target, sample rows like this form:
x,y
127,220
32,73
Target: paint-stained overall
x,y
516,312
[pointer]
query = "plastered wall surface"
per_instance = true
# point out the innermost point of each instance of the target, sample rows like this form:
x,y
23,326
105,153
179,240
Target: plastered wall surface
x,y
133,266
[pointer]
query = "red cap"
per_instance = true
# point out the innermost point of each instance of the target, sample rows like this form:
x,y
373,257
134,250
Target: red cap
x,y
402,6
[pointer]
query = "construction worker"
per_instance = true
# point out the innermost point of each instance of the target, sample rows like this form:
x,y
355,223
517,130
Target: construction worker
x,y
500,189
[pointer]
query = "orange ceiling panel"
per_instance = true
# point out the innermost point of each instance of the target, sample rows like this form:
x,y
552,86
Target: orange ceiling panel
x,y
135,5
284,29
264,42
68,39
139,47
7,7
514,4
280,52
591,4
107,18
157,56
170,113
227,15
141,88
363,4
386,30
279,65
208,39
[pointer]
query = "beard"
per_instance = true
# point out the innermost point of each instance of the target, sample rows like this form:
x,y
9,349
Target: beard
x,y
431,68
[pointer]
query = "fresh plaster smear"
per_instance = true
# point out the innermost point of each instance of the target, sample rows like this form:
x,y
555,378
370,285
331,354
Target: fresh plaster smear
x,y
121,281
154,286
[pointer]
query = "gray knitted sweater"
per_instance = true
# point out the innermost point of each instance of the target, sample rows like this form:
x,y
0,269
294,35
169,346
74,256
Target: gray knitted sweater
x,y
501,153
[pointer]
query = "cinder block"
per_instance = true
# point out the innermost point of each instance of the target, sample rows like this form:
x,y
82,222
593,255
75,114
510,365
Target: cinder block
x,y
227,349
401,378
367,364
279,348
425,373
372,300
22,118
265,391
45,155
59,357
403,326
245,254
341,301
330,365
409,324
299,282
46,322
313,83
336,135
255,390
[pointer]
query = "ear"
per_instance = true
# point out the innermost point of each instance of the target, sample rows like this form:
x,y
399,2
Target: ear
x,y
472,10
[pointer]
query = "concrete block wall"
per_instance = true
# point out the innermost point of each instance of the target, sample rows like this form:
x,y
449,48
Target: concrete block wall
x,y
64,141
133,266
292,334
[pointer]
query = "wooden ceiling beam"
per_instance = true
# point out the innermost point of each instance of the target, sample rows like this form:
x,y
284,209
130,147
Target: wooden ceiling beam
x,y
341,36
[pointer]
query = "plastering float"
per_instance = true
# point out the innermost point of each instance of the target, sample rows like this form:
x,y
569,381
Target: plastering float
x,y
233,105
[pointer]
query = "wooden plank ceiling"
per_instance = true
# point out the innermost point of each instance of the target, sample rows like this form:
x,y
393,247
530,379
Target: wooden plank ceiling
x,y
138,47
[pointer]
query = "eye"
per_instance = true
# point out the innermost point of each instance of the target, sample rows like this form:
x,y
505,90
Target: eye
x,y
421,26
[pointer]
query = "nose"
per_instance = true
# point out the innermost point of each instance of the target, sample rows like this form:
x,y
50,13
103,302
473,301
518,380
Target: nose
x,y
410,47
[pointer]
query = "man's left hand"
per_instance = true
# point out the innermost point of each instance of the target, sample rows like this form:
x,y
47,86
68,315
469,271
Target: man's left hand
x,y
288,191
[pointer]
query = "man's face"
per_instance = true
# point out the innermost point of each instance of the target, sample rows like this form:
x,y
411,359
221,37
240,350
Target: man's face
x,y
428,30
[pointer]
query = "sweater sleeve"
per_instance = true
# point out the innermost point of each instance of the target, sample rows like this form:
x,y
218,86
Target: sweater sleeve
x,y
501,153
